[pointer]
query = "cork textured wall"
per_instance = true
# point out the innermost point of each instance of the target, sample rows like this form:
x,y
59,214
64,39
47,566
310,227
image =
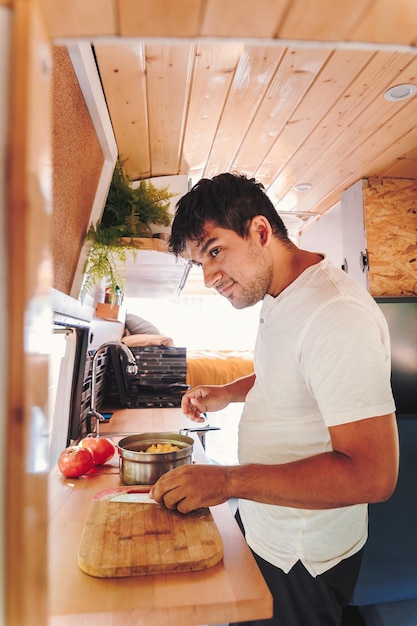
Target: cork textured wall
x,y
77,164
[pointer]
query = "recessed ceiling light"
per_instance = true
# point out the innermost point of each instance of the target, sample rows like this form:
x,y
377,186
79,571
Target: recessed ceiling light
x,y
400,92
303,187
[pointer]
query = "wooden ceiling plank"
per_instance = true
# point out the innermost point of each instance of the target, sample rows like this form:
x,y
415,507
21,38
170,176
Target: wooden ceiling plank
x,y
293,78
251,81
324,20
78,18
396,119
343,173
404,166
159,18
243,18
336,75
215,66
122,72
327,192
397,150
168,72
333,135
307,134
388,22
321,197
370,159
366,159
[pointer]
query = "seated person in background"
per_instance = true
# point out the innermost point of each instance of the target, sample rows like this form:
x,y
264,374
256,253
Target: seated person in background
x,y
139,332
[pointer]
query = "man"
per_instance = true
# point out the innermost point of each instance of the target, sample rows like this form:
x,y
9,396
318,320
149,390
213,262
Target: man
x,y
318,436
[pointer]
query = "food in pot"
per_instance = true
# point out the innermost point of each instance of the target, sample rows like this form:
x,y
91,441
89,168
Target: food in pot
x,y
162,447
137,464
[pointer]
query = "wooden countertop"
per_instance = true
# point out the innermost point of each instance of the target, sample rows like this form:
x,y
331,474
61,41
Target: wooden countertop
x,y
233,590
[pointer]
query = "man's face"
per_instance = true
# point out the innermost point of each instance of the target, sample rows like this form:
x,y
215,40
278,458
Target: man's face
x,y
237,268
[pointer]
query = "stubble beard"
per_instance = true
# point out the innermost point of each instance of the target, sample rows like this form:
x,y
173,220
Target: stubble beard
x,y
255,289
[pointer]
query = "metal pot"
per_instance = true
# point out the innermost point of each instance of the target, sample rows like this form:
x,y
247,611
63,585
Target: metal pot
x,y
137,467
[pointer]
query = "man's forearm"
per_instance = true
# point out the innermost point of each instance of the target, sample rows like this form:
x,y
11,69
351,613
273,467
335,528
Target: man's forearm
x,y
239,388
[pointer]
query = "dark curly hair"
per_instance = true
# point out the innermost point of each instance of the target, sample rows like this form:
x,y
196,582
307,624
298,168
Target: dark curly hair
x,y
229,201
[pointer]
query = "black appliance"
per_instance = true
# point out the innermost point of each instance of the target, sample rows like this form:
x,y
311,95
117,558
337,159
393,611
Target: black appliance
x,y
160,381
401,315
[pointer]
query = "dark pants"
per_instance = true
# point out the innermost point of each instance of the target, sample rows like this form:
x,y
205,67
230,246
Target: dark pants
x,y
302,600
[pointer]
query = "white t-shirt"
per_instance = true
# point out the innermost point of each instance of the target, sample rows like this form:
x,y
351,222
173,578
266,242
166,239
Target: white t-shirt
x,y
322,358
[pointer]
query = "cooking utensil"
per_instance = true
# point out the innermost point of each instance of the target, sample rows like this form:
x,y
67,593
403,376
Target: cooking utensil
x,y
137,467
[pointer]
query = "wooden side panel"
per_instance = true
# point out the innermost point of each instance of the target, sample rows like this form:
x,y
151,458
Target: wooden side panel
x,y
243,18
306,22
78,18
29,280
390,207
159,18
347,20
386,22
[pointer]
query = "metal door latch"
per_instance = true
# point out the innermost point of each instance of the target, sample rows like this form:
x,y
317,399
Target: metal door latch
x,y
364,261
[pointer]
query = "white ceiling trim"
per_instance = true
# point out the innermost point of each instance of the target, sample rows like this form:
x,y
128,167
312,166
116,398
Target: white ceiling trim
x,y
85,68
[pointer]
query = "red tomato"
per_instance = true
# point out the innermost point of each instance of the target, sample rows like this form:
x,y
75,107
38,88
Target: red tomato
x,y
101,447
75,461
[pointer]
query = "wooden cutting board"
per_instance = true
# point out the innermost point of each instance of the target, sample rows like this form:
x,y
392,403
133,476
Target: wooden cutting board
x,y
136,538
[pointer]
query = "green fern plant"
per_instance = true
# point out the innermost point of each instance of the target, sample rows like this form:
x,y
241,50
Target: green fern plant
x,y
102,264
128,207
127,214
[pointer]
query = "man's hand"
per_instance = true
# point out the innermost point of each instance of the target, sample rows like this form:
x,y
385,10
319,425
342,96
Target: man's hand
x,y
209,398
190,487
203,398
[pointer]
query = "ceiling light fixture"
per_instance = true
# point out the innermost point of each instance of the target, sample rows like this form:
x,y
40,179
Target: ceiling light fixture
x,y
302,187
400,92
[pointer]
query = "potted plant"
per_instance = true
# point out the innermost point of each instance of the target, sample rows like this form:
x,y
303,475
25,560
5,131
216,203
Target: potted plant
x,y
127,216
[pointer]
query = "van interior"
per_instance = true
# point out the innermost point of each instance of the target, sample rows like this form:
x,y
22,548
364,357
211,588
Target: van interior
x,y
318,102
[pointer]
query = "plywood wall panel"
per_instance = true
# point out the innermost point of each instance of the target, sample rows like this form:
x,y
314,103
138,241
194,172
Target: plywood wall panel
x,y
390,207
